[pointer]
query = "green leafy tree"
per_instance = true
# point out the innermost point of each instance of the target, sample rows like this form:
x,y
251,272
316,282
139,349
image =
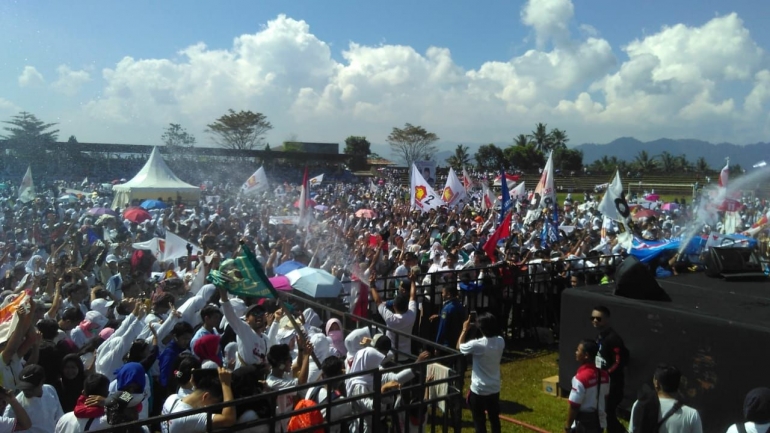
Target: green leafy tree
x,y
72,140
701,165
460,159
490,158
521,140
558,139
359,148
667,162
177,139
643,162
525,158
244,130
567,159
412,143
33,134
541,138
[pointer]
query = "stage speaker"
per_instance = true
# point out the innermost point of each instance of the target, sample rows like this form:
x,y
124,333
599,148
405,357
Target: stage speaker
x,y
733,263
634,280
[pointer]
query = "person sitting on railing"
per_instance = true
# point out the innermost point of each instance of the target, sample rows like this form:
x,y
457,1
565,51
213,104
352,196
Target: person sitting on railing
x,y
211,387
285,375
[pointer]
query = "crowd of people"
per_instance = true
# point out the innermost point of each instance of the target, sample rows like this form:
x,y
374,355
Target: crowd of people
x,y
102,332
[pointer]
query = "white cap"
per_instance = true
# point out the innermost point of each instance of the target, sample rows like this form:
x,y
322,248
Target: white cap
x,y
111,259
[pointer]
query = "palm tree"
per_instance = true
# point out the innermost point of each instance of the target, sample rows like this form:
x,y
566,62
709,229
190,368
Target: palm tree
x,y
667,162
460,159
558,139
683,164
701,165
541,138
521,140
643,162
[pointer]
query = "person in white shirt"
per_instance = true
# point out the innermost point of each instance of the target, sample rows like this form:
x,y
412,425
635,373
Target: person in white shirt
x,y
669,413
40,401
285,375
251,338
21,420
209,390
487,351
401,318
756,412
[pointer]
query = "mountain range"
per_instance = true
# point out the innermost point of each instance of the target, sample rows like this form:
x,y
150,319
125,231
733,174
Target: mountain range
x,y
626,148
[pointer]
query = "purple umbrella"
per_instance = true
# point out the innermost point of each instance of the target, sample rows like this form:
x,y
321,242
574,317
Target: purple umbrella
x,y
99,211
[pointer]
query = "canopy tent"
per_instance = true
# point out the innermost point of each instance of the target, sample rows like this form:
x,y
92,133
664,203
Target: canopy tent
x,y
155,180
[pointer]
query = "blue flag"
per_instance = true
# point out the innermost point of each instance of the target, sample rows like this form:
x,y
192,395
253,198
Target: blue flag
x,y
506,204
92,236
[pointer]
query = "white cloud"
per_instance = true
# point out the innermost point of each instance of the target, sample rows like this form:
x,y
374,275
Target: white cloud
x,y
30,77
69,81
8,109
676,82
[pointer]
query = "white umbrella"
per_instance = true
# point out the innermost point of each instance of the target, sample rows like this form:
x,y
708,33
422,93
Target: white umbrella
x,y
316,283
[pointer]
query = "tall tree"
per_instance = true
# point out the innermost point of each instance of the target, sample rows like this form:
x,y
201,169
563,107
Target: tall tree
x,y
541,138
568,159
521,140
667,162
244,130
558,139
490,158
35,135
526,158
359,148
701,165
177,138
460,159
643,162
412,143
72,140
357,145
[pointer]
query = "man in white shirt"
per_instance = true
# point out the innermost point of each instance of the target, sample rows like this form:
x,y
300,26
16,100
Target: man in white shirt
x,y
672,414
209,390
401,318
251,338
40,401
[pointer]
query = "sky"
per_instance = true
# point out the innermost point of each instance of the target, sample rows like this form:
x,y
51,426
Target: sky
x,y
471,72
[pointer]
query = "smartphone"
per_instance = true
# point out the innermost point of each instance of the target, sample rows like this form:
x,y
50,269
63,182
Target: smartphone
x,y
472,316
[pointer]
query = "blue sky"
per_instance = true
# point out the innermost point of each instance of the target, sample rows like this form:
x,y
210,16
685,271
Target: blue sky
x,y
565,65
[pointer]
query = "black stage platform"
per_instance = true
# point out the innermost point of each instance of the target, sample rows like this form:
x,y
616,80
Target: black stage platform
x,y
717,332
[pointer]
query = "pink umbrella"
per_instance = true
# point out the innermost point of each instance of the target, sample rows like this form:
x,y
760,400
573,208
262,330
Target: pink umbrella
x,y
281,283
670,206
652,197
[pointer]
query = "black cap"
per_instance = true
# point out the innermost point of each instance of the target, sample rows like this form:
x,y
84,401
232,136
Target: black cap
x,y
31,377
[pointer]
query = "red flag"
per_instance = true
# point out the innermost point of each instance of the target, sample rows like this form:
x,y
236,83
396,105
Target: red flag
x,y
724,175
502,232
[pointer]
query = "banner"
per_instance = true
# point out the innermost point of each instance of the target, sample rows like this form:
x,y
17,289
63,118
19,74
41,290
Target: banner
x,y
424,197
315,181
545,193
454,191
170,248
9,320
614,207
27,187
486,197
256,182
284,220
427,171
519,193
467,181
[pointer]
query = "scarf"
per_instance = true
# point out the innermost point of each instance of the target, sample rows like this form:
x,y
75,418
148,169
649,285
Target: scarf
x,y
207,349
366,359
337,337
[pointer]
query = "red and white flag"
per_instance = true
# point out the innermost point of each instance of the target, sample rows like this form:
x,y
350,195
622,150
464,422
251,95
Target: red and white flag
x,y
467,181
424,197
303,195
486,197
454,191
502,232
724,174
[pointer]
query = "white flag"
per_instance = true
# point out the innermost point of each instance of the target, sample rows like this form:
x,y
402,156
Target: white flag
x,y
607,206
454,191
544,195
467,181
423,196
27,188
486,197
256,182
315,181
612,207
519,193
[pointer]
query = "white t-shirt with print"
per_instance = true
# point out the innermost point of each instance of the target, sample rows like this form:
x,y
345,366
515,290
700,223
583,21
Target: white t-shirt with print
x,y
44,411
188,424
485,373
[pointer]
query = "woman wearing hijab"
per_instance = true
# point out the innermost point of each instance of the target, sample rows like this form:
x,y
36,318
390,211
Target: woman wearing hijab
x,y
366,359
322,347
207,349
334,332
72,378
132,378
756,412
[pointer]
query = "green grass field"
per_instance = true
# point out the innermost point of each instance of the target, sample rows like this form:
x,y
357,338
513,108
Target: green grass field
x,y
522,397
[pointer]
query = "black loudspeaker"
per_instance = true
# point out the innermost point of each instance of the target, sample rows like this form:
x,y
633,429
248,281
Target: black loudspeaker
x,y
634,280
733,263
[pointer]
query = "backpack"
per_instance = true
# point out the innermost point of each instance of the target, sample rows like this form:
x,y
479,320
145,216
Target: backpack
x,y
648,409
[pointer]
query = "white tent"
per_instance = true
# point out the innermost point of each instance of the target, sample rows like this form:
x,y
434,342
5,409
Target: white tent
x,y
155,180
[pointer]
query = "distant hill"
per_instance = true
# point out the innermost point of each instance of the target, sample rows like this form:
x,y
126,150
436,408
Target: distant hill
x,y
626,148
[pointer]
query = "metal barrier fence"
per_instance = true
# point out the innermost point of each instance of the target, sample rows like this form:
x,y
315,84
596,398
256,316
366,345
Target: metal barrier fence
x,y
420,406
524,298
